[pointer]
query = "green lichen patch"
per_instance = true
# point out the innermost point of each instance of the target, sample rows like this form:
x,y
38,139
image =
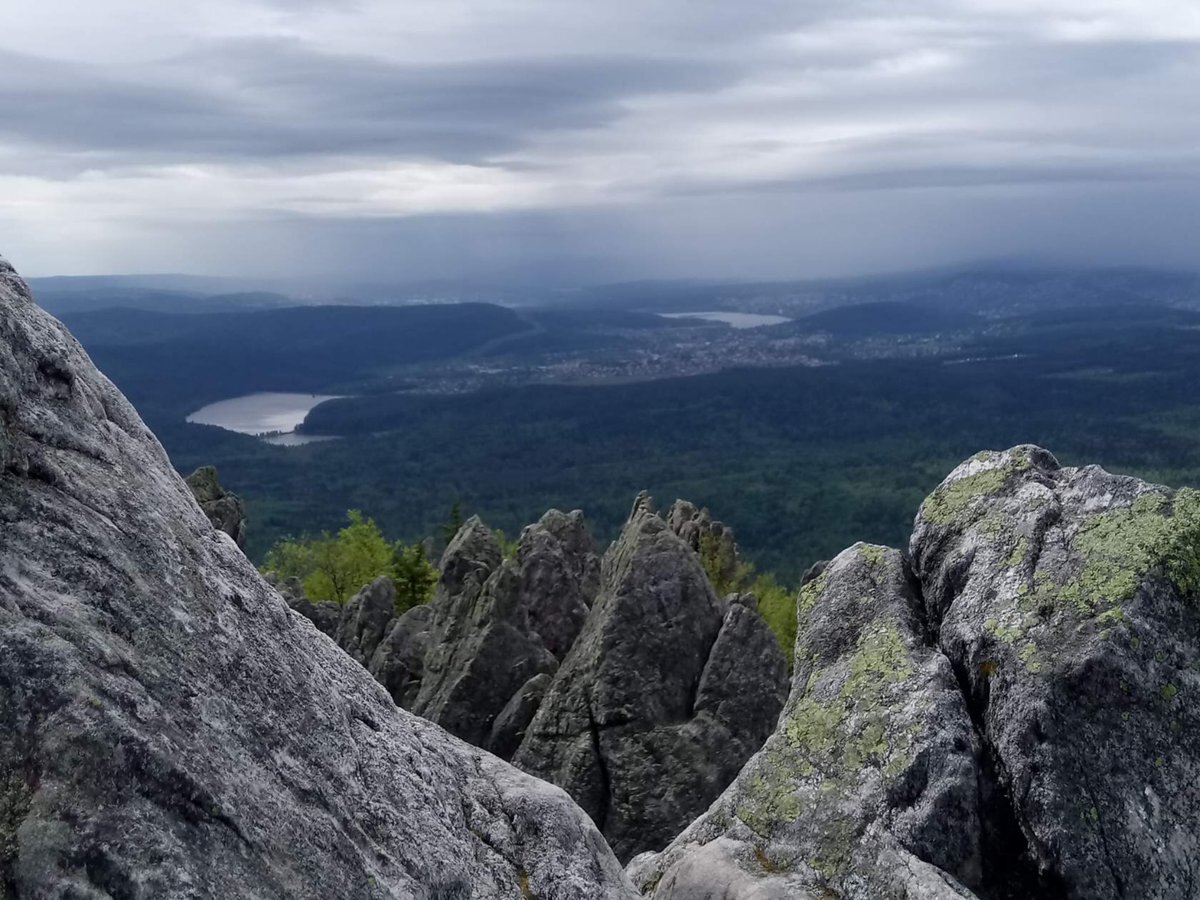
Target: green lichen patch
x,y
1118,549
1029,656
951,499
810,593
838,737
769,801
1019,554
1004,633
872,554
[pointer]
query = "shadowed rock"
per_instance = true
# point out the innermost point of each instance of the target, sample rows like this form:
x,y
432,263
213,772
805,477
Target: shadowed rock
x,y
224,510
665,694
365,619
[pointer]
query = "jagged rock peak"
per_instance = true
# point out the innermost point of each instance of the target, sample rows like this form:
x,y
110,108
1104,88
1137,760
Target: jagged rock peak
x,y
168,728
224,509
665,693
712,539
470,557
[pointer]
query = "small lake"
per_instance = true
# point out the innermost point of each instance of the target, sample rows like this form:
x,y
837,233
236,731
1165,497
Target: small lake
x,y
271,416
736,319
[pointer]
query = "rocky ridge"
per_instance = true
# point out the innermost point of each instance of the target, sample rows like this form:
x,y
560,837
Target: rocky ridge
x,y
1006,711
667,692
169,728
499,658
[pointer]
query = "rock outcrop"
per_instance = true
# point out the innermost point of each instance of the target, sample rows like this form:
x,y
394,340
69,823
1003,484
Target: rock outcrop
x,y
493,626
869,778
365,619
1009,712
712,540
1068,601
224,510
169,728
497,623
663,697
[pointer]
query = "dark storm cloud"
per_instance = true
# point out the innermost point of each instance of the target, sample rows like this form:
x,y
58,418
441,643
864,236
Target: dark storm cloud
x,y
280,99
665,137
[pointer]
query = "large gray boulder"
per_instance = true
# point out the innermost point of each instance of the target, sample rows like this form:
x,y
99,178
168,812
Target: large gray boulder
x,y
662,698
868,787
1068,601
224,509
1008,713
169,728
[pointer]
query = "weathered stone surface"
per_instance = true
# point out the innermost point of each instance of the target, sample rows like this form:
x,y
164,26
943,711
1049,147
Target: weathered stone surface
x,y
493,625
1068,601
365,619
224,510
513,721
169,728
651,714
869,778
327,616
398,663
496,623
713,540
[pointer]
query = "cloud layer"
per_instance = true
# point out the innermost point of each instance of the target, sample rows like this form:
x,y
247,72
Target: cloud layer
x,y
636,137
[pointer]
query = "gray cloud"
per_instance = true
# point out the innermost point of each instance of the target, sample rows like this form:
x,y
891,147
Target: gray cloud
x,y
666,137
279,99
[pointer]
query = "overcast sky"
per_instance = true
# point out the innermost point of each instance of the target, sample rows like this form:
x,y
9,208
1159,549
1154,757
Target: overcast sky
x,y
576,141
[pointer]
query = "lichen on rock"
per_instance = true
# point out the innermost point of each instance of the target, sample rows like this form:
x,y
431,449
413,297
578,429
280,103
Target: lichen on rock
x,y
874,746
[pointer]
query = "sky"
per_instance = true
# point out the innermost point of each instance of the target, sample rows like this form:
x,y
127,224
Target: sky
x,y
572,142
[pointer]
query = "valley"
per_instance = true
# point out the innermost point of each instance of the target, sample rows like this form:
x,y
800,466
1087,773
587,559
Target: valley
x,y
805,434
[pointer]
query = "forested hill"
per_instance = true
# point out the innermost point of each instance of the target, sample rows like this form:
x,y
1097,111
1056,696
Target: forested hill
x,y
167,361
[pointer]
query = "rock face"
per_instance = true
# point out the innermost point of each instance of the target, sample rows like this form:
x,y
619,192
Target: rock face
x,y
684,686
493,626
1010,714
224,510
663,697
365,619
870,776
169,728
1069,602
713,540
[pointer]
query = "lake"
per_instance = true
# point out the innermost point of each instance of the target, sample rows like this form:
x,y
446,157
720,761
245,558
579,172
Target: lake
x,y
271,416
736,319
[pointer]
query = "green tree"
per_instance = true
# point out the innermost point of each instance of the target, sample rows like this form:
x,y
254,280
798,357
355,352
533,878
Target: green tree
x,y
414,575
777,606
724,568
508,548
334,567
